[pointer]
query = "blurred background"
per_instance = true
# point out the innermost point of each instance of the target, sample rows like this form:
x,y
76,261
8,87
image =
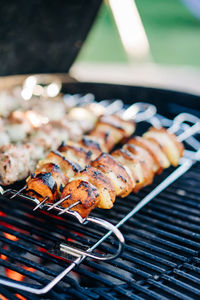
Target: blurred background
x,y
142,42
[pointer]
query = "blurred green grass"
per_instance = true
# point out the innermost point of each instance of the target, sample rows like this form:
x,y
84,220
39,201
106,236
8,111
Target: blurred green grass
x,y
173,34
103,43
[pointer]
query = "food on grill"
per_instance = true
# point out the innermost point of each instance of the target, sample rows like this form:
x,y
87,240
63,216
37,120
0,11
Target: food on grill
x,y
15,162
118,127
107,137
76,153
93,144
109,131
25,126
88,200
18,161
116,172
160,160
9,102
18,126
138,163
126,170
55,108
145,161
101,182
167,142
75,156
24,121
68,167
85,116
29,127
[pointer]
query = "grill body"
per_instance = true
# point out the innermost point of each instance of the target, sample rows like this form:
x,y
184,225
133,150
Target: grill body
x,y
161,256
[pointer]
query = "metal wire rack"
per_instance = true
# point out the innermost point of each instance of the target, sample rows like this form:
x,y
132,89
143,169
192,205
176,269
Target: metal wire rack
x,y
185,126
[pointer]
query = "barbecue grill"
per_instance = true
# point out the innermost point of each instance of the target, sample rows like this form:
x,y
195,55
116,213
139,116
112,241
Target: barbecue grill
x,y
161,254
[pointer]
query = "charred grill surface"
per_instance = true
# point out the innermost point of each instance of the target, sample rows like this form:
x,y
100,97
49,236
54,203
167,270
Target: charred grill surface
x,y
161,257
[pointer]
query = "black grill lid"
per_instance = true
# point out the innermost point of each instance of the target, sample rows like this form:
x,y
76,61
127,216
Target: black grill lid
x,y
42,36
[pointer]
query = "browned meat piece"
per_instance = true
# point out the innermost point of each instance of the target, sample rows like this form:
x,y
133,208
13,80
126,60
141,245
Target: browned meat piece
x,y
16,163
101,182
131,164
153,150
128,125
116,172
110,125
108,139
115,128
125,127
83,191
146,163
168,143
41,186
76,154
92,144
56,173
67,167
164,161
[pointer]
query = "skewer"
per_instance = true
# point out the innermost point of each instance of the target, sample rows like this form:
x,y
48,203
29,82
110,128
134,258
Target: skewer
x,y
58,202
1,190
190,131
145,111
174,128
181,119
175,175
69,207
41,203
141,109
113,106
18,192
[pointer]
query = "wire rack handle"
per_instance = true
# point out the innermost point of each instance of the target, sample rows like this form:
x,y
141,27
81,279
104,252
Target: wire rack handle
x,y
140,111
180,119
65,249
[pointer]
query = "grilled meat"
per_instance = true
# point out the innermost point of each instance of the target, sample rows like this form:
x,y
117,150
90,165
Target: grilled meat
x,y
42,185
126,170
31,128
139,160
16,162
83,191
146,163
116,172
76,154
167,142
101,182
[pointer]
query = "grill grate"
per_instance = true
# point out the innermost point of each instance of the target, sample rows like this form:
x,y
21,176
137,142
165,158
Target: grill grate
x,y
161,256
